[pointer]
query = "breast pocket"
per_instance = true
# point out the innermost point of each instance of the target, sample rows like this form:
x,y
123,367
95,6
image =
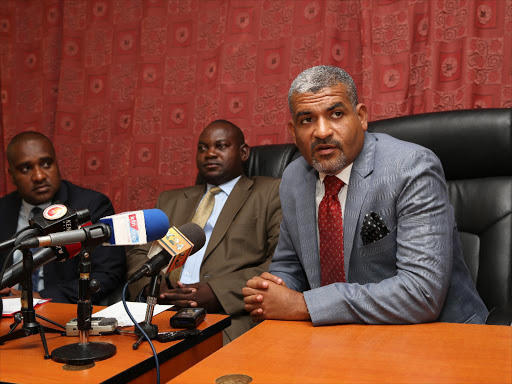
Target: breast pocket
x,y
374,262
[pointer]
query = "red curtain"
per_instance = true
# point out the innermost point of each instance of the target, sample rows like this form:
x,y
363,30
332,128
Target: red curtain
x,y
123,87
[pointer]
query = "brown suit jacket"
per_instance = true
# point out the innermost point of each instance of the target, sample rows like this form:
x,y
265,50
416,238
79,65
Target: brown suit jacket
x,y
241,245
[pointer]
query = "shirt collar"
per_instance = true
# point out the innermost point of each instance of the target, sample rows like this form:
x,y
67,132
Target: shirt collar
x,y
226,187
344,175
27,207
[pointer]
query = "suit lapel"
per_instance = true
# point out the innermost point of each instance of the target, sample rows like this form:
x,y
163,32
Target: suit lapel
x,y
186,206
235,201
356,194
11,215
306,219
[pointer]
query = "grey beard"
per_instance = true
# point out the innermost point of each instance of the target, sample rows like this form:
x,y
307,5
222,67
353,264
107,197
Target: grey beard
x,y
331,167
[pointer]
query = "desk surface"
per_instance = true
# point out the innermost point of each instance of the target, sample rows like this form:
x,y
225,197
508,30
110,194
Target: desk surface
x,y
297,352
23,360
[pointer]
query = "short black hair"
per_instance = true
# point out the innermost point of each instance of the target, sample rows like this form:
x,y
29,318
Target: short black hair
x,y
23,136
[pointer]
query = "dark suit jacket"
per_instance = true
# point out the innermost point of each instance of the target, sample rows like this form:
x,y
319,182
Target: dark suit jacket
x,y
241,245
61,279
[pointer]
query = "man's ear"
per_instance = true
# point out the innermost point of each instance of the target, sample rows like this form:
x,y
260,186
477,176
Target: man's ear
x,y
11,175
291,130
245,151
362,114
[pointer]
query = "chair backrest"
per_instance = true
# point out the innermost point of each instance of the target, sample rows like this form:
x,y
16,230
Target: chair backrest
x,y
270,160
475,148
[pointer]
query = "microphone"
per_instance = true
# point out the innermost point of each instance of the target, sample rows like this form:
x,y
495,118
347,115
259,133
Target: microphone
x,y
55,218
59,218
14,274
128,228
175,247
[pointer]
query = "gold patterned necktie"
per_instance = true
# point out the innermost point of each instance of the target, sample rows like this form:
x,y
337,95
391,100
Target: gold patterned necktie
x,y
203,213
205,208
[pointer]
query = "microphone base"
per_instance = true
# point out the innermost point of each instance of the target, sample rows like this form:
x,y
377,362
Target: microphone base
x,y
83,354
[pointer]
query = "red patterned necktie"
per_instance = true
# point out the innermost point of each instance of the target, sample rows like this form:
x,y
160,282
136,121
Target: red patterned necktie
x,y
330,228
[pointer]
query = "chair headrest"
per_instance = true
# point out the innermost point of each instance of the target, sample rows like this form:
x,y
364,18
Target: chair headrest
x,y
470,143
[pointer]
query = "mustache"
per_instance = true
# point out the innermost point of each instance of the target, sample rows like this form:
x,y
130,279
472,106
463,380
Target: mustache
x,y
326,141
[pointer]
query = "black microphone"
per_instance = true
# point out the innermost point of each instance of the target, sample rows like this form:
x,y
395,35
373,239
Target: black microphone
x,y
192,232
59,218
55,218
15,274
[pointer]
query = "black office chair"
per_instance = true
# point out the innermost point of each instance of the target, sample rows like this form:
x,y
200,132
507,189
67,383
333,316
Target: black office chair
x,y
475,148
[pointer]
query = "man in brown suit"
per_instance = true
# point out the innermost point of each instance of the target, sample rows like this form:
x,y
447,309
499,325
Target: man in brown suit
x,y
241,232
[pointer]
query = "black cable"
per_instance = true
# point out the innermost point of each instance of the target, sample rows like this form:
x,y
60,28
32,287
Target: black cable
x,y
157,364
6,261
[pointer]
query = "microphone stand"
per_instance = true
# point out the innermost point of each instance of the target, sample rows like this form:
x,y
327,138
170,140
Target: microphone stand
x,y
84,352
28,315
150,329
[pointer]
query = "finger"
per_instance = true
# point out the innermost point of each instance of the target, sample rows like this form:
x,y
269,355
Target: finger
x,y
257,312
253,299
181,303
272,278
246,291
254,308
257,283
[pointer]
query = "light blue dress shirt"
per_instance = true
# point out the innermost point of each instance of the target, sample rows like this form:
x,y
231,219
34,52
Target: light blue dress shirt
x,y
22,223
191,270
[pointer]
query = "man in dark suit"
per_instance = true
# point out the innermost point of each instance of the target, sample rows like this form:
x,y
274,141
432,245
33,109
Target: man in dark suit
x,y
35,172
368,233
241,231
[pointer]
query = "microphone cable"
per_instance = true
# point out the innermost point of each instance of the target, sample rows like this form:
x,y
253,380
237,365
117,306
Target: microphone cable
x,y
6,261
157,363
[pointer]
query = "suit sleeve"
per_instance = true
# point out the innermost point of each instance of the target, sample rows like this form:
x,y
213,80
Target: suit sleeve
x,y
424,257
108,263
228,287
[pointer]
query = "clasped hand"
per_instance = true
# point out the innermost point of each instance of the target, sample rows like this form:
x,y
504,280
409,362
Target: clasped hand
x,y
268,297
190,295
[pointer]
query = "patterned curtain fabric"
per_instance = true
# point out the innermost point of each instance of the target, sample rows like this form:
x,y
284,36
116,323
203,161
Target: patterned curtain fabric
x,y
124,87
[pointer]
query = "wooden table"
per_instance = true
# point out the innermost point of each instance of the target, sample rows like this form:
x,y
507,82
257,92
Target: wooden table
x,y
23,361
296,352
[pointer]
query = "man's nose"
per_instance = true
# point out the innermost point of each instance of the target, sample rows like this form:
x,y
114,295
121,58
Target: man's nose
x,y
211,152
39,174
323,128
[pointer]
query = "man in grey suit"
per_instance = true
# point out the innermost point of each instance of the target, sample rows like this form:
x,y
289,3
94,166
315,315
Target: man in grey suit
x,y
398,258
241,231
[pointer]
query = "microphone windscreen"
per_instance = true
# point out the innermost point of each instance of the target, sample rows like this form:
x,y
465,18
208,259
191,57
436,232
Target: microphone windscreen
x,y
195,234
156,222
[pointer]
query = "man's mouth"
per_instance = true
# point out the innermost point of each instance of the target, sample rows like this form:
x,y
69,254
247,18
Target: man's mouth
x,y
211,165
324,149
42,188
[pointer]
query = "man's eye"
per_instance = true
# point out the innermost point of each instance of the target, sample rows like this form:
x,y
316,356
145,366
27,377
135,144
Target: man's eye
x,y
337,114
201,149
46,164
24,169
221,146
307,120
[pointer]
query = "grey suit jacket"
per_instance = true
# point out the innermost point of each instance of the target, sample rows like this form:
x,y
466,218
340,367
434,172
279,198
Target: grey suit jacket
x,y
240,247
415,274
